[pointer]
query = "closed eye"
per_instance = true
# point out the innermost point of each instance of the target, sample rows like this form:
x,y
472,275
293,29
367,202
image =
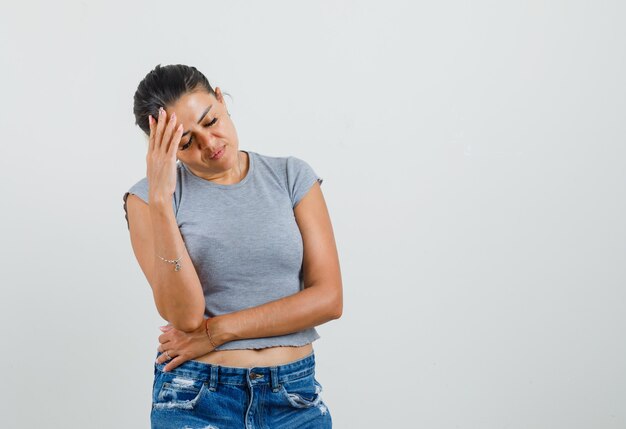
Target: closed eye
x,y
186,145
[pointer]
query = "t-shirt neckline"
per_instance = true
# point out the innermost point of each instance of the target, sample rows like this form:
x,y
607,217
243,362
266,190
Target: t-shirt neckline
x,y
239,184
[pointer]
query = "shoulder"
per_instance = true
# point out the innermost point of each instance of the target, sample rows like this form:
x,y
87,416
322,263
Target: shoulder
x,y
142,184
271,161
296,174
285,165
267,166
142,190
139,188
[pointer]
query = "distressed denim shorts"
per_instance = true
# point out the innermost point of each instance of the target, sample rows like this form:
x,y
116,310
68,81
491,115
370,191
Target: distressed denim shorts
x,y
208,396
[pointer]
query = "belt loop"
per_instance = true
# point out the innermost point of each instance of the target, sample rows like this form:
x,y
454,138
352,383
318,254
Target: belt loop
x,y
274,378
214,378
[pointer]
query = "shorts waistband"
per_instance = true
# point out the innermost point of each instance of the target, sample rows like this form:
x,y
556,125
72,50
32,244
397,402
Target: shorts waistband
x,y
273,375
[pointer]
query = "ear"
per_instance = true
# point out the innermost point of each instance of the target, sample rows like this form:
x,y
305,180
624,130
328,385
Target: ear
x,y
219,95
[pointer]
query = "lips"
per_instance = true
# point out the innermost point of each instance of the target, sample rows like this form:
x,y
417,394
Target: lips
x,y
218,154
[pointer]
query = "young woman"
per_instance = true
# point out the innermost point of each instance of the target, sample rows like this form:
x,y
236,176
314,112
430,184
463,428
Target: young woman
x,y
239,251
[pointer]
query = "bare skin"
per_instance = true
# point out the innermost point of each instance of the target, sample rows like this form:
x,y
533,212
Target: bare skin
x,y
194,144
251,358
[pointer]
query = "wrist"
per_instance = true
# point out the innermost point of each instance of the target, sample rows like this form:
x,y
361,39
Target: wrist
x,y
219,330
159,202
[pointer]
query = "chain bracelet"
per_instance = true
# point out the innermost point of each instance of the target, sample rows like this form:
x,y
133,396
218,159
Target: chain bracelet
x,y
206,325
175,261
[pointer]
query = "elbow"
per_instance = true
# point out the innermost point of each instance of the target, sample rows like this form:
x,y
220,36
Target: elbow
x,y
184,315
330,302
337,312
183,319
187,324
194,325
336,306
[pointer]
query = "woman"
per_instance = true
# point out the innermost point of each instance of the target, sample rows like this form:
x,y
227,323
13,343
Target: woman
x,y
239,251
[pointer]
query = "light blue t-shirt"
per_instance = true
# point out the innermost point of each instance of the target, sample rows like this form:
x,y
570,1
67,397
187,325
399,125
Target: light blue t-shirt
x,y
243,238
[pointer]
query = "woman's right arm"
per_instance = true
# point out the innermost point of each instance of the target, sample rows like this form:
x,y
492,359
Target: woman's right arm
x,y
154,232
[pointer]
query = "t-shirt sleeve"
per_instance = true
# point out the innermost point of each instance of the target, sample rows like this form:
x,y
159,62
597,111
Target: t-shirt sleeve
x,y
300,178
141,190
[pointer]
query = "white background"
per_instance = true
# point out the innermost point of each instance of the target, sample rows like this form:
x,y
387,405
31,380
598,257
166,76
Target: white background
x,y
473,156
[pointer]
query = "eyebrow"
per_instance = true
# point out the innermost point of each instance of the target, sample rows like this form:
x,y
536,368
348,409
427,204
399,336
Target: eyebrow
x,y
199,120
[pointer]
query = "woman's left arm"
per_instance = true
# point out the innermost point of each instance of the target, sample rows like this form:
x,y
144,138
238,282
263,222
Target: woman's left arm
x,y
322,297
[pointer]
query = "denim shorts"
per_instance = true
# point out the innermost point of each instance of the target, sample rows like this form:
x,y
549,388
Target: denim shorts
x,y
202,395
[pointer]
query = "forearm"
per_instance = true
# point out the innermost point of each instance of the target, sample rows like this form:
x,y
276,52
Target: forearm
x,y
177,294
310,307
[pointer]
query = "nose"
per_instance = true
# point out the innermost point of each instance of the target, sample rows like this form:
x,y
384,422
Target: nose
x,y
208,142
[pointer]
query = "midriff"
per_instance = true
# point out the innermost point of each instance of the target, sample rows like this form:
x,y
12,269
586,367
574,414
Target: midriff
x,y
249,358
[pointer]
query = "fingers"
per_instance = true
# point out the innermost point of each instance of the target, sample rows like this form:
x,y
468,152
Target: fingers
x,y
158,135
163,357
174,363
175,141
167,134
166,328
163,134
152,127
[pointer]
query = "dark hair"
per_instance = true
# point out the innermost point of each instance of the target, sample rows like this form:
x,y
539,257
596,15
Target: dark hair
x,y
163,86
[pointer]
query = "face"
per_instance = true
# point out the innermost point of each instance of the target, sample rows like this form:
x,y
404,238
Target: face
x,y
206,133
